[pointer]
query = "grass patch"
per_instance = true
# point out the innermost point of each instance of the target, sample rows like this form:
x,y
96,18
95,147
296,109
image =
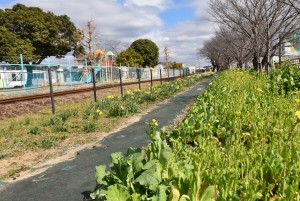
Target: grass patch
x,y
74,122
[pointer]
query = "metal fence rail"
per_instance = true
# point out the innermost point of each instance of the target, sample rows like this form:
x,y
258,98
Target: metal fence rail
x,y
26,78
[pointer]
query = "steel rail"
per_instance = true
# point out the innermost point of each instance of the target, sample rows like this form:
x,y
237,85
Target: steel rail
x,y
74,91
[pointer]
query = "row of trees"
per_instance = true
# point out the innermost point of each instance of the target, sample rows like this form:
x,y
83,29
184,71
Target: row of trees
x,y
37,34
250,30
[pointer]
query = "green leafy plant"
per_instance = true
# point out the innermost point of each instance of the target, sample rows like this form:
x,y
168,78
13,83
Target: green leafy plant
x,y
240,141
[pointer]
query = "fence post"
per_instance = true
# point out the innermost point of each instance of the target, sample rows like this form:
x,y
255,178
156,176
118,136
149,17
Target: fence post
x,y
160,77
173,73
22,70
94,84
85,61
121,85
151,78
101,74
140,75
51,90
70,72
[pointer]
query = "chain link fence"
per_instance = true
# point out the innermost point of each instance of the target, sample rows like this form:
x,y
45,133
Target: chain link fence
x,y
16,79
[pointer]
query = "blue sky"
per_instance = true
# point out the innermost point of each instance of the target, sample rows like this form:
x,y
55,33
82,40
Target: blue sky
x,y
177,24
175,15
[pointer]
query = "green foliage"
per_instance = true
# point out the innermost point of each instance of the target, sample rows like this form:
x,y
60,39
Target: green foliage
x,y
129,104
12,45
129,57
35,33
285,79
148,50
175,65
240,141
148,176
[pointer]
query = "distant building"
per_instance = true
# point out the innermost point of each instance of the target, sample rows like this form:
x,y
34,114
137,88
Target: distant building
x,y
291,47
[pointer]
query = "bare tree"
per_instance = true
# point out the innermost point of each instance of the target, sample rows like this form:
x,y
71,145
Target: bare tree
x,y
88,42
264,22
295,4
238,45
216,50
116,46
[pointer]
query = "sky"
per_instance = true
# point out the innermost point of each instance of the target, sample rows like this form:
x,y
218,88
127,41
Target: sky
x,y
180,25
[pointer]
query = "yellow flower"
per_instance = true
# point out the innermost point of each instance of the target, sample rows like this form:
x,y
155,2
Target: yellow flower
x,y
238,113
154,122
99,112
259,90
110,96
297,114
137,90
128,92
297,101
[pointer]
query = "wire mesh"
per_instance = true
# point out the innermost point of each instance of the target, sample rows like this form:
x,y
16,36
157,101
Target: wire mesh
x,y
27,77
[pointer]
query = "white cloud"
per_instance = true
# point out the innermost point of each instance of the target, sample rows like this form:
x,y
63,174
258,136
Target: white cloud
x,y
157,5
128,20
112,19
186,38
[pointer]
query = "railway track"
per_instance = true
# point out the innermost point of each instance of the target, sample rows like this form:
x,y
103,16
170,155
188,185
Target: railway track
x,y
74,91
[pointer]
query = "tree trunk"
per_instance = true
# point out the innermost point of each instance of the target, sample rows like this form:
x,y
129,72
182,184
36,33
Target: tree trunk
x,y
255,63
240,64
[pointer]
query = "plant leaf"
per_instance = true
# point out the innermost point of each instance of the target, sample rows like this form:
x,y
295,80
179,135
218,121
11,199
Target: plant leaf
x,y
116,193
209,194
161,194
150,178
100,174
184,198
174,194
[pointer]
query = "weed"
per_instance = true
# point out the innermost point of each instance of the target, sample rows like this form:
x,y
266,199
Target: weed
x,y
52,121
90,127
67,114
12,126
34,130
27,121
61,127
46,144
117,111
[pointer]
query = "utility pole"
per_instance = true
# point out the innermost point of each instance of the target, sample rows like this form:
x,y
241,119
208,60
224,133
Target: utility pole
x,y
167,56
